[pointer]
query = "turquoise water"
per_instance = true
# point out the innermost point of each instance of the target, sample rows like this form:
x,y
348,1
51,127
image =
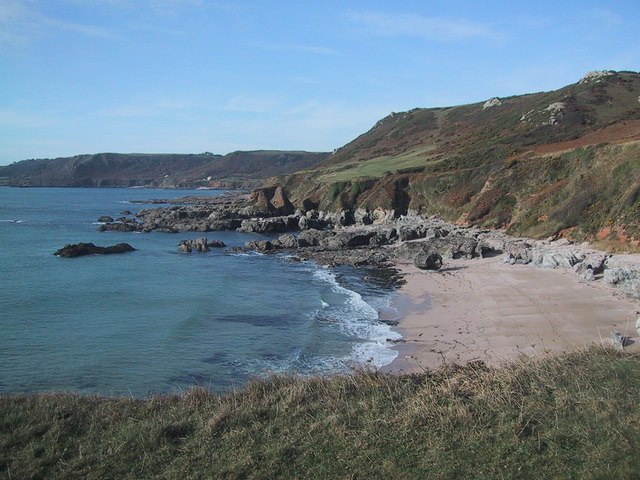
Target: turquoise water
x,y
156,320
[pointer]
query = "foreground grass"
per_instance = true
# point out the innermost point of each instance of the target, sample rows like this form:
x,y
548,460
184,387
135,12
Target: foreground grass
x,y
572,417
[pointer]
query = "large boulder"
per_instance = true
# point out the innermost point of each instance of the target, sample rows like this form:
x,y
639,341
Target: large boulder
x,y
626,279
80,249
428,261
286,241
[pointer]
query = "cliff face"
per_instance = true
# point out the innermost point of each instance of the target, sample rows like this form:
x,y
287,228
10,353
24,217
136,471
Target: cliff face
x,y
565,162
235,170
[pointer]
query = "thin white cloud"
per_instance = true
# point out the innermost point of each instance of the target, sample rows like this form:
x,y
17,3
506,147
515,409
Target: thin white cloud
x,y
431,28
21,23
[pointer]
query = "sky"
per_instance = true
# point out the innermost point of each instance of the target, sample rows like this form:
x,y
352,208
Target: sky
x,y
188,76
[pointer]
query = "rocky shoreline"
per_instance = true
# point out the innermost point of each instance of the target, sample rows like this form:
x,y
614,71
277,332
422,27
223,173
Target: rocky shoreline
x,y
371,238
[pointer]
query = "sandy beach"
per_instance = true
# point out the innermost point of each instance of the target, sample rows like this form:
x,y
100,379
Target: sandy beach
x,y
482,309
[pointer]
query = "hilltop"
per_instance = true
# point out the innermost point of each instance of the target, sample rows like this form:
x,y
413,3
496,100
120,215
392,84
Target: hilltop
x,y
560,163
234,170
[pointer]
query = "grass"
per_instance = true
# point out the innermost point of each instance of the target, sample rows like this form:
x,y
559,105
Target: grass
x,y
576,416
379,166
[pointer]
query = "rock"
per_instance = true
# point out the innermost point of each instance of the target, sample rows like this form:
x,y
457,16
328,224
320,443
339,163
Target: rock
x,y
260,245
362,217
492,102
584,272
286,241
638,325
281,203
626,279
428,261
312,237
617,339
595,76
105,219
80,249
199,245
590,266
553,258
347,239
269,225
125,212
130,226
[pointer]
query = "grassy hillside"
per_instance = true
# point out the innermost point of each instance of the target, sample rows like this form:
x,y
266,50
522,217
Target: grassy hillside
x,y
237,169
564,162
572,417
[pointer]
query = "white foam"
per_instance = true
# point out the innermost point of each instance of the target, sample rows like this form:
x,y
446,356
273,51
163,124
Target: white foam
x,y
324,304
360,320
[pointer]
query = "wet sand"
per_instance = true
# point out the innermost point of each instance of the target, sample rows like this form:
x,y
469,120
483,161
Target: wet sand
x,y
485,310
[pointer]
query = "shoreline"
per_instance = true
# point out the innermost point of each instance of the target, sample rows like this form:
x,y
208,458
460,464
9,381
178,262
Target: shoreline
x,y
484,310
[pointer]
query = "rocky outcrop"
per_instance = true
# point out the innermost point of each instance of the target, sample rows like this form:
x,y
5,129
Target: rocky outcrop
x,y
269,225
81,249
121,226
105,219
365,237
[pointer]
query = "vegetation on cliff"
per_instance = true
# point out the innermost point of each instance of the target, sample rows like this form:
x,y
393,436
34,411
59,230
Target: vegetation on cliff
x,y
571,417
565,162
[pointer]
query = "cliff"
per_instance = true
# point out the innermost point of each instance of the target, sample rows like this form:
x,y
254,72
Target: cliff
x,y
560,163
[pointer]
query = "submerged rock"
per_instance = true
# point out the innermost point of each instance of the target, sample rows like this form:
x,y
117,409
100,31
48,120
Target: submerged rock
x,y
80,249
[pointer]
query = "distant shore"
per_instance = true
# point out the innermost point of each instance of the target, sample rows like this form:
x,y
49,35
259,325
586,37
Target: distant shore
x,y
483,309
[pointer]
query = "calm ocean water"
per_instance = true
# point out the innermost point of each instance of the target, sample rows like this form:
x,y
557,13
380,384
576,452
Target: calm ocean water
x,y
156,320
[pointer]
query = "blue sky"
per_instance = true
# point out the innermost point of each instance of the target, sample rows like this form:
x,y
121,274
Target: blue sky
x,y
88,76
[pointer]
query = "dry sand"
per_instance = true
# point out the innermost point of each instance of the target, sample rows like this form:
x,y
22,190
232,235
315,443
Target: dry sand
x,y
482,309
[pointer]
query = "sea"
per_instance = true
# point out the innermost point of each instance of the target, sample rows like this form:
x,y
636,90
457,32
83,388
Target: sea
x,y
158,321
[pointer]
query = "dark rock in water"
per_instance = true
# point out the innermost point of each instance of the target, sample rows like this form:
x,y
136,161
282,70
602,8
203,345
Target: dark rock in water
x,y
199,245
105,219
129,226
125,212
260,245
80,249
428,261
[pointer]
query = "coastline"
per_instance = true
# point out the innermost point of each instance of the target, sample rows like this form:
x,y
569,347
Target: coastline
x,y
482,309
